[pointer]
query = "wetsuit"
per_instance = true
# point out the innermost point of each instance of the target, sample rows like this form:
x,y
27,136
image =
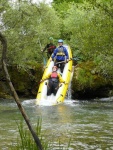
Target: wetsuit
x,y
53,84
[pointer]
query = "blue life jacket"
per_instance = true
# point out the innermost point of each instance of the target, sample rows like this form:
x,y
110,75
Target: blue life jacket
x,y
60,53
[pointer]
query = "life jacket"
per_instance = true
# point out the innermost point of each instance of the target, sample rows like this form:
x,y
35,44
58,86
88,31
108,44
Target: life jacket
x,y
60,51
51,47
54,76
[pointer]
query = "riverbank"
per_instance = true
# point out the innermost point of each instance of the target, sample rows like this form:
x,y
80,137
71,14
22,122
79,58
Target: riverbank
x,y
87,82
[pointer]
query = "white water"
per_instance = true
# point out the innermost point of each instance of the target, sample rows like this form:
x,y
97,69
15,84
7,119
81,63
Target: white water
x,y
51,100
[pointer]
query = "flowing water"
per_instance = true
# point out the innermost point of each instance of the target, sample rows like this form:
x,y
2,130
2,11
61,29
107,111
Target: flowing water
x,y
89,124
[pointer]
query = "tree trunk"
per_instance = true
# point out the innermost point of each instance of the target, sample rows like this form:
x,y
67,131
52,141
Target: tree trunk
x,y
4,44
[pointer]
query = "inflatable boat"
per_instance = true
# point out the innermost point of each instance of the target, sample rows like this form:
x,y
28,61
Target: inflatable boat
x,y
62,90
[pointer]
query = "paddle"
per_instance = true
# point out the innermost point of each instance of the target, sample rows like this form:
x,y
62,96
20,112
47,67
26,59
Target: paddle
x,y
63,61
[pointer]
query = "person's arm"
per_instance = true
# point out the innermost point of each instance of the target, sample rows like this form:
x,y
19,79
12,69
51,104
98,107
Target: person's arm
x,y
45,48
61,80
66,53
46,77
54,54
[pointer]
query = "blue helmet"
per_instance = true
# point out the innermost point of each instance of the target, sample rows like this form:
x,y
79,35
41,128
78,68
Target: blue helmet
x,y
60,41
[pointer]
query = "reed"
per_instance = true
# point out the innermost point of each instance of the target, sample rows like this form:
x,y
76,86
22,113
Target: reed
x,y
26,142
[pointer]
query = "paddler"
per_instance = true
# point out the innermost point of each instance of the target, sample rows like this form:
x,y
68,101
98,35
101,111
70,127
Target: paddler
x,y
54,80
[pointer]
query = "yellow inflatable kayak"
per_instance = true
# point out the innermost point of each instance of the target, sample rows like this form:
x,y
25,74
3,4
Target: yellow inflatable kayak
x,y
61,93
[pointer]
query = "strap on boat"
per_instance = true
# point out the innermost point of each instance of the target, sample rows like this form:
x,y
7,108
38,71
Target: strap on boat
x,y
69,70
38,92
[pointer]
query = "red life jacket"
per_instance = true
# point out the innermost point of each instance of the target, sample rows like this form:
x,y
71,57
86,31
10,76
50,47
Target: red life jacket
x,y
51,48
54,75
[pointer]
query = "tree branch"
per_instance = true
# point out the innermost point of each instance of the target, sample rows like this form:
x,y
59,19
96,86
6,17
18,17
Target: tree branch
x,y
4,43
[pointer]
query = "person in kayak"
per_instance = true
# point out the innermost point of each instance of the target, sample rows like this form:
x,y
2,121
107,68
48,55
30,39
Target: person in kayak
x,y
50,47
54,80
60,55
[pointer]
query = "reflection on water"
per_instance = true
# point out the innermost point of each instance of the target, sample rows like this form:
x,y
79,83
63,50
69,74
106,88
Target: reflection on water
x,y
89,124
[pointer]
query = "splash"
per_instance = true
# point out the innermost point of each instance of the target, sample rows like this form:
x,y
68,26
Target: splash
x,y
48,101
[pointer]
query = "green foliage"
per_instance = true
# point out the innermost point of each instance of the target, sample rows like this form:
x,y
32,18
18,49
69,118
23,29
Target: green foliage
x,y
90,32
86,25
59,1
27,29
87,77
61,9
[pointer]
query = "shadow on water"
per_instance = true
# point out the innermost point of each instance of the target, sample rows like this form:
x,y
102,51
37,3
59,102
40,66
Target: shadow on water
x,y
89,124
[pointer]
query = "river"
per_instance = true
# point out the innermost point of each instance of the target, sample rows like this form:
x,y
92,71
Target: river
x,y
89,124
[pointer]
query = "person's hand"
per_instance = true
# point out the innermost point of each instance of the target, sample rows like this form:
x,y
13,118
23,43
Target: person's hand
x,y
67,60
60,84
41,81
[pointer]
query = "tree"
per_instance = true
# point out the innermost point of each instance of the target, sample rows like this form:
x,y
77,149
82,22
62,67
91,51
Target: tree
x,y
90,31
4,51
59,1
26,23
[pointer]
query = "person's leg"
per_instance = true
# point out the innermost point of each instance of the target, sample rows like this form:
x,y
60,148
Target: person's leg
x,y
62,67
49,88
55,87
57,63
48,55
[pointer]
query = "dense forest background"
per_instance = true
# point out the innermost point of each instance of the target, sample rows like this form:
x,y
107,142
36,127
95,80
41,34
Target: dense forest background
x,y
86,25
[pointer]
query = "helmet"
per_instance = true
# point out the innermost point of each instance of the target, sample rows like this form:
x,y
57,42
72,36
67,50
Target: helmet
x,y
55,67
60,41
50,38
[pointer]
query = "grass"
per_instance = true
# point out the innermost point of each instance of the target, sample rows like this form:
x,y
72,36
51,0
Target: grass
x,y
26,141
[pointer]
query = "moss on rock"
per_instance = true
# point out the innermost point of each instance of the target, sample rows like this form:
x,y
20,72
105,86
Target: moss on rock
x,y
86,82
24,79
87,79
